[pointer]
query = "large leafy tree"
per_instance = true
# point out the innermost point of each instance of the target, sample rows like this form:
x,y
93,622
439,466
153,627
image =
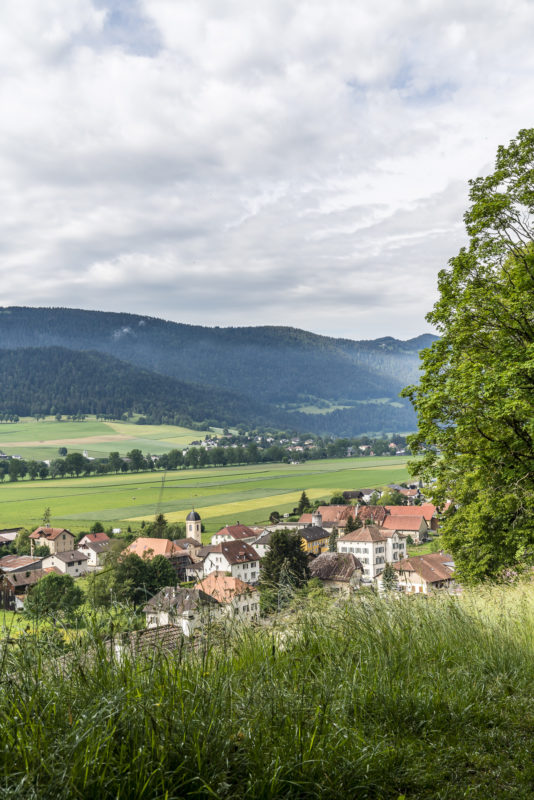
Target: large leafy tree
x,y
475,400
285,564
52,595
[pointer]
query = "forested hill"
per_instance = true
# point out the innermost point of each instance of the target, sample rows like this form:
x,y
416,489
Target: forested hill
x,y
284,368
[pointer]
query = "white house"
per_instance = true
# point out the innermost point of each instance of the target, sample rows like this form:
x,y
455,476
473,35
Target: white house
x,y
70,562
95,552
368,544
237,558
235,533
262,544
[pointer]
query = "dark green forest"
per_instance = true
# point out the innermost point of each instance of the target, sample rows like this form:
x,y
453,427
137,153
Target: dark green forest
x,y
227,375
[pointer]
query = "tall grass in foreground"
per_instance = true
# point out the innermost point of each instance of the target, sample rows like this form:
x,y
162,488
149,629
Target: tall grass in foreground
x,y
367,698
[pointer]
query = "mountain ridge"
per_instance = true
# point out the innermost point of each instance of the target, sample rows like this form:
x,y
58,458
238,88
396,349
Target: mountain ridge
x,y
278,369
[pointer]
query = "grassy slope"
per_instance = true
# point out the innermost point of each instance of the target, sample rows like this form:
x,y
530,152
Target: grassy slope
x,y
232,492
373,698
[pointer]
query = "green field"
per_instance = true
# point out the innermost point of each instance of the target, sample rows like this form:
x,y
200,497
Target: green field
x,y
222,495
41,440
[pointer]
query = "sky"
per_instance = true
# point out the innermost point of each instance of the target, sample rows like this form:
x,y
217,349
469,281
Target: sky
x,y
236,162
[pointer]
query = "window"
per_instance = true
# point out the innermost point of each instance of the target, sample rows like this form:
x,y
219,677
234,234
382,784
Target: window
x,y
252,576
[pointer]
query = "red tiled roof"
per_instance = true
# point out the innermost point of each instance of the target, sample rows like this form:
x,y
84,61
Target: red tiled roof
x,y
48,533
236,552
376,514
426,510
222,587
237,532
96,537
151,547
331,514
400,522
432,567
369,533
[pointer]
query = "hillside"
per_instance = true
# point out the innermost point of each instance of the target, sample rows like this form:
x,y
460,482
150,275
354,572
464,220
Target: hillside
x,y
47,380
369,697
284,368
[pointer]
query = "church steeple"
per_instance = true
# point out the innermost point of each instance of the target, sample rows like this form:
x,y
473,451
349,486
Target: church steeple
x,y
193,526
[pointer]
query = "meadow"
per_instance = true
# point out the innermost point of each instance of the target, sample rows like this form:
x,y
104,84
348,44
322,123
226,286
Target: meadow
x,y
375,698
41,440
221,495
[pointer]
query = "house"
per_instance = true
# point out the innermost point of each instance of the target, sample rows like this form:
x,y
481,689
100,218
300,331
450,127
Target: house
x,y
357,494
314,539
58,540
328,517
425,574
21,582
413,525
368,493
13,563
238,558
191,547
368,544
374,515
426,510
94,538
395,545
150,547
70,562
236,597
95,552
235,533
188,609
337,571
262,544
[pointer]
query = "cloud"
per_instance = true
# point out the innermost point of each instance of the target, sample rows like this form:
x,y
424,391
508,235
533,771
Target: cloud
x,y
282,163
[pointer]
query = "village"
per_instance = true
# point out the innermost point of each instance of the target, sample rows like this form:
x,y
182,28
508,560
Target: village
x,y
352,547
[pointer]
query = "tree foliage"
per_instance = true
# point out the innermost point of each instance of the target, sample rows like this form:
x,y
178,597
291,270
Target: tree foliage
x,y
475,401
53,594
284,566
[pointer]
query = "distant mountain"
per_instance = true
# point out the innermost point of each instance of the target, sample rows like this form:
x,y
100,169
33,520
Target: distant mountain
x,y
271,371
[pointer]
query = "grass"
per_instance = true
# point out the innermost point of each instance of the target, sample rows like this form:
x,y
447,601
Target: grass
x,y
41,440
248,493
379,698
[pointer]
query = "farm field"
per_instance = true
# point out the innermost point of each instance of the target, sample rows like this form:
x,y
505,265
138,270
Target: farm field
x,y
40,440
221,495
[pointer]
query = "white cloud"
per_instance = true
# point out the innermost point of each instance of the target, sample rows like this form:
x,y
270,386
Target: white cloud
x,y
292,163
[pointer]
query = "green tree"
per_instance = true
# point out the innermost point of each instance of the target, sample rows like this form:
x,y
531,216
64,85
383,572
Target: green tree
x,y
391,497
115,461
353,523
137,460
45,521
52,595
389,578
162,573
332,541
285,558
475,400
22,542
303,504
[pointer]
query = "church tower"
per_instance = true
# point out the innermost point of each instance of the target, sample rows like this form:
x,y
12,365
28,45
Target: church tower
x,y
193,526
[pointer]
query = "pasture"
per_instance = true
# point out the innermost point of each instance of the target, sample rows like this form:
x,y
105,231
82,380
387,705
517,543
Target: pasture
x,y
41,440
221,495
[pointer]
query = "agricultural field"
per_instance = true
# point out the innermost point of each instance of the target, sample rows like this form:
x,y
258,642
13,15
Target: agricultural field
x,y
40,440
221,495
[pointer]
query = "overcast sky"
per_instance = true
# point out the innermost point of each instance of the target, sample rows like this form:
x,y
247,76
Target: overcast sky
x,y
237,162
